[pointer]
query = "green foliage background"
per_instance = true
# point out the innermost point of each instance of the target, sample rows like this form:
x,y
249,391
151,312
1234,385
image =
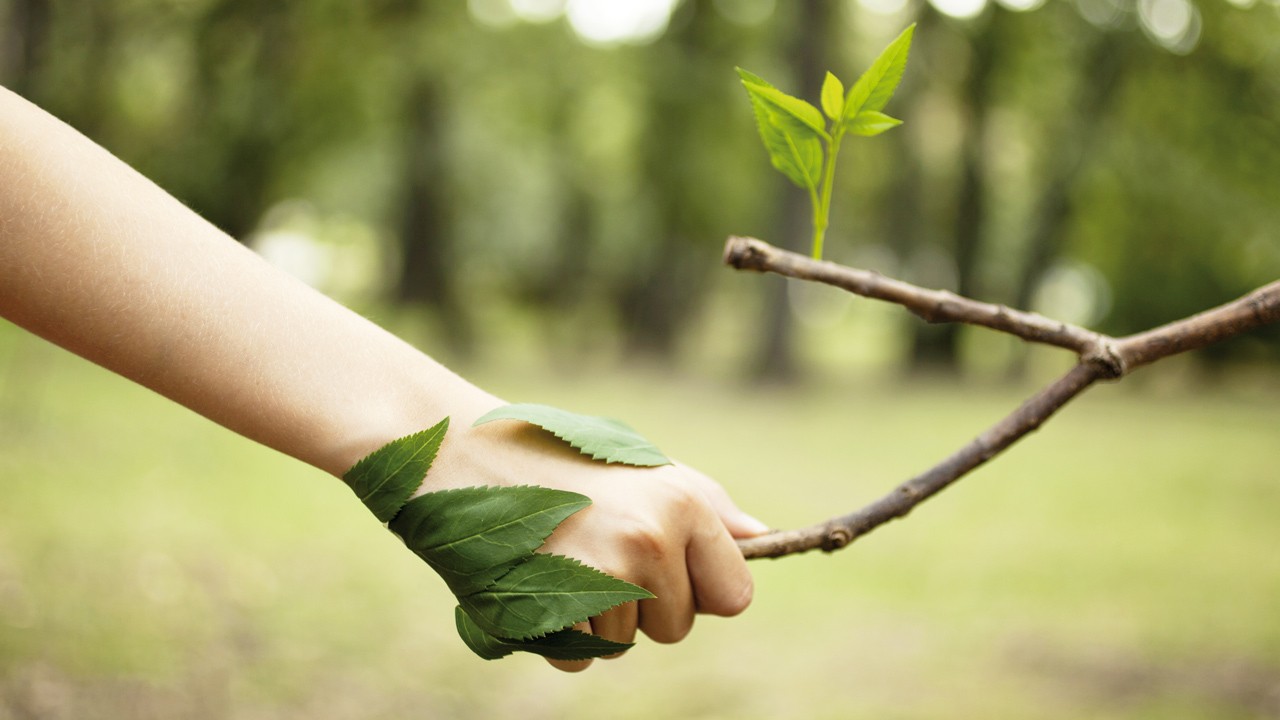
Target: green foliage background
x,y
1060,157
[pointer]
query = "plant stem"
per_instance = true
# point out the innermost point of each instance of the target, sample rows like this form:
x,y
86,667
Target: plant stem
x,y
822,203
819,223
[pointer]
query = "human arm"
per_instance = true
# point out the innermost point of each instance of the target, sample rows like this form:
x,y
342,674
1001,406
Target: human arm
x,y
96,258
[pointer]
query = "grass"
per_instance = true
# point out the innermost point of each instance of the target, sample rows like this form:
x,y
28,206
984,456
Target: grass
x,y
1118,564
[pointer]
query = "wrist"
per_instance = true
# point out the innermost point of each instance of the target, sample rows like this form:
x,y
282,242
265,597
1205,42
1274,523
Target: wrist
x,y
410,397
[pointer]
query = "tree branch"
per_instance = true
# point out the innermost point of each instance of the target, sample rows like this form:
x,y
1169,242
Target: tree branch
x,y
935,306
1258,308
1101,357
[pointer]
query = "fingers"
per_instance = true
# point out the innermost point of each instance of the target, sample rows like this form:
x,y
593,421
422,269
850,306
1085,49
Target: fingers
x,y
618,625
717,571
739,524
668,617
573,665
672,534
703,571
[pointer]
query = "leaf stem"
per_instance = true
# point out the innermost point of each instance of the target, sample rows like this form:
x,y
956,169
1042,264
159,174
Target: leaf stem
x,y
819,222
822,202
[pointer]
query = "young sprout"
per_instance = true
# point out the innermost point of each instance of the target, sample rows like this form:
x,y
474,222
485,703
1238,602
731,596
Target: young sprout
x,y
803,145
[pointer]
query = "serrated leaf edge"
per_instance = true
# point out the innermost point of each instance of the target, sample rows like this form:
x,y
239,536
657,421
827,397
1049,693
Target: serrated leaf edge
x,y
467,629
580,500
493,416
850,109
609,460
883,123
642,593
437,433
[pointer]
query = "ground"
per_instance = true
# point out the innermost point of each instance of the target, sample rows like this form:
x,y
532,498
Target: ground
x,y
1118,564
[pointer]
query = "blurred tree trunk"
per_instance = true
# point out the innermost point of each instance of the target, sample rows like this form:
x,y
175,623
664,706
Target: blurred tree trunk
x,y
72,82
935,347
242,117
22,47
659,293
427,259
564,284
571,269
905,217
1103,71
809,59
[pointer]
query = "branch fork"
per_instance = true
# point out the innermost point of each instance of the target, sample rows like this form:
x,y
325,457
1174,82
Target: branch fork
x,y
1101,357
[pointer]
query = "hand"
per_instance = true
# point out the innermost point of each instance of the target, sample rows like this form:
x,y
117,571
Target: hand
x,y
668,529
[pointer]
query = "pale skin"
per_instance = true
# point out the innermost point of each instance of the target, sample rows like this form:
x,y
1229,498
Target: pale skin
x,y
96,258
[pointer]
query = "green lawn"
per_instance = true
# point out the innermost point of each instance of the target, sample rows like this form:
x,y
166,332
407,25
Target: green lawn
x,y
1122,562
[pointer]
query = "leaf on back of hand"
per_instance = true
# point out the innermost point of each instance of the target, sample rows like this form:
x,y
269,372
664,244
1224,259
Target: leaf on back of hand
x,y
472,536
601,438
873,90
560,645
546,593
385,478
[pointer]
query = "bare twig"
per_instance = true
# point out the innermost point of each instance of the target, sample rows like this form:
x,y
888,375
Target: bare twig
x,y
1101,357
1258,308
840,531
935,306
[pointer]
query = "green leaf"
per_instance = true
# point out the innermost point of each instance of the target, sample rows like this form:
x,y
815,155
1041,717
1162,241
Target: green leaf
x,y
793,149
385,478
873,90
791,131
792,107
472,536
546,593
561,645
751,78
870,122
601,438
833,97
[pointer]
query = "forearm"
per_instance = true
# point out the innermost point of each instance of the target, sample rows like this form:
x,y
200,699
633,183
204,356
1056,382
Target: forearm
x,y
96,258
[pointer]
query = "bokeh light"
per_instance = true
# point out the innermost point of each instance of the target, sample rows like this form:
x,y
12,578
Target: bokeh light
x,y
1174,24
884,7
599,22
1021,5
960,9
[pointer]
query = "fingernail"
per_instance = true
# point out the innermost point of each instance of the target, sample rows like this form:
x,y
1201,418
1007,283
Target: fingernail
x,y
752,525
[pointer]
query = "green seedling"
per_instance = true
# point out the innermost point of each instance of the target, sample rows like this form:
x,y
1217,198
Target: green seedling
x,y
803,145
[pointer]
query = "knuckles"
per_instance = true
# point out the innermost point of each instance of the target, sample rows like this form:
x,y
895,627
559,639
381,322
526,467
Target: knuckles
x,y
670,633
645,540
664,527
730,602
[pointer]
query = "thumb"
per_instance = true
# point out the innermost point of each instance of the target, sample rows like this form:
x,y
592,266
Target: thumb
x,y
738,523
